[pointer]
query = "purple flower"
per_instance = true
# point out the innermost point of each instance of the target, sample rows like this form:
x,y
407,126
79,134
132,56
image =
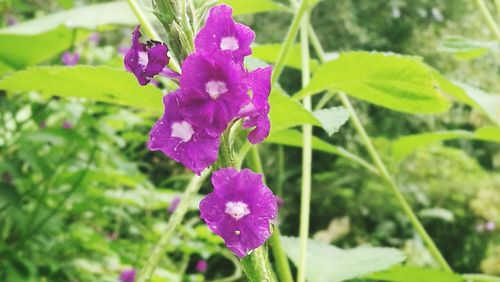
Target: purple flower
x,y
280,201
145,60
123,50
256,113
240,209
214,91
67,125
173,205
95,37
181,140
222,34
70,59
127,275
489,226
201,266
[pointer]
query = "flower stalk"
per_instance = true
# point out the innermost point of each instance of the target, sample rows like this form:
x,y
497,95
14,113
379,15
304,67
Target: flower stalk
x,y
305,199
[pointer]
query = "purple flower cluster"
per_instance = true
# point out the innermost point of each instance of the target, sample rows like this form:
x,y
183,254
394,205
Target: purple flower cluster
x,y
240,209
214,91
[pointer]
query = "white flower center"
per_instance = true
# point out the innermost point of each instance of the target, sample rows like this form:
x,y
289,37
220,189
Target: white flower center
x,y
229,43
143,59
182,130
215,88
237,209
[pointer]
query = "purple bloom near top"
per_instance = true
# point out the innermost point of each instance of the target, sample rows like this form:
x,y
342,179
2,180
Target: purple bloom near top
x,y
214,91
240,209
145,60
222,34
181,140
127,275
70,59
201,266
256,113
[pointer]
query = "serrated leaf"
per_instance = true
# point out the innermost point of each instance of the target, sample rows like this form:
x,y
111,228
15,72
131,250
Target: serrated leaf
x,y
286,113
103,84
241,7
466,49
332,118
269,53
415,274
488,103
393,81
88,17
327,263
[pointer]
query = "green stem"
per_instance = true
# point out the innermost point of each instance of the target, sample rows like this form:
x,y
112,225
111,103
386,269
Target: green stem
x,y
305,203
383,170
256,266
284,272
289,39
485,12
159,249
150,30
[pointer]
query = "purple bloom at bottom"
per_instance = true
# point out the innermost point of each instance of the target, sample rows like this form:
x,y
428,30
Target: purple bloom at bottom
x,y
145,60
70,59
239,210
127,275
201,266
256,113
173,205
181,140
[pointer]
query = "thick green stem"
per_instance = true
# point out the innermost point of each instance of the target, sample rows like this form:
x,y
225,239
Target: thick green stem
x,y
381,167
284,272
305,199
485,12
160,248
150,30
289,39
257,267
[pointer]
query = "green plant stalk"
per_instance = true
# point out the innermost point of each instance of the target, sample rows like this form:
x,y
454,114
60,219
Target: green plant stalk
x,y
381,167
257,267
305,199
284,272
481,5
288,42
159,249
150,30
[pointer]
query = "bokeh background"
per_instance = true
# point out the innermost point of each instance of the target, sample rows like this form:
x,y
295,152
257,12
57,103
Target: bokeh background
x,y
82,199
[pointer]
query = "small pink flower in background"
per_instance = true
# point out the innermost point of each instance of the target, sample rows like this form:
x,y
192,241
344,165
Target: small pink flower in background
x,y
70,59
42,124
67,125
240,209
181,140
145,60
128,275
489,226
173,205
95,37
12,20
201,266
221,34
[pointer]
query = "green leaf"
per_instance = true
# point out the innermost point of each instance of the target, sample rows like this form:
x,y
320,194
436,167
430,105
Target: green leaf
x,y
294,138
466,49
327,263
241,7
405,145
286,113
332,118
89,17
17,51
479,277
393,81
451,89
269,53
488,103
103,84
415,274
